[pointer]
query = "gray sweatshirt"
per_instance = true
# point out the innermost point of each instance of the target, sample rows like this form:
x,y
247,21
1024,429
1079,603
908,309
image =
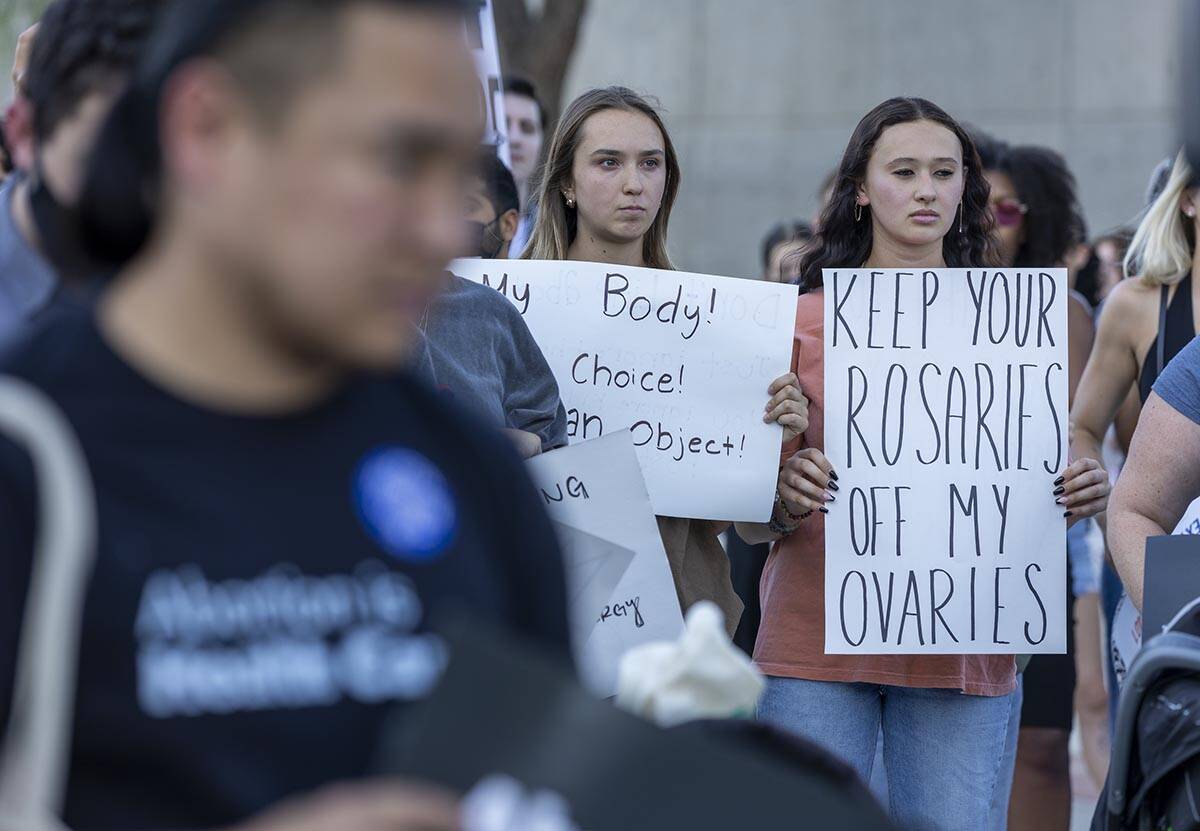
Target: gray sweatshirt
x,y
479,350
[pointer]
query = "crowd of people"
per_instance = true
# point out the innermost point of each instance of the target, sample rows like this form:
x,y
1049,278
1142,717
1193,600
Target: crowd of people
x,y
224,232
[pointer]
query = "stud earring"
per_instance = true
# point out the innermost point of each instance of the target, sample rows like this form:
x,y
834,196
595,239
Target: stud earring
x,y
570,202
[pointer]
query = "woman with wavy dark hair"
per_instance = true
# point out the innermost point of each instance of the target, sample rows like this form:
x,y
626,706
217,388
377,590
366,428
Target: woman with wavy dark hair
x,y
910,193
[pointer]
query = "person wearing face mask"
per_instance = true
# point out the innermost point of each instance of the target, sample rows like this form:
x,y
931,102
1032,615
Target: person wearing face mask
x,y
75,63
477,347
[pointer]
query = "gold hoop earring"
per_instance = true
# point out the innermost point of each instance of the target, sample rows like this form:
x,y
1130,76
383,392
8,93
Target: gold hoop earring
x,y
857,212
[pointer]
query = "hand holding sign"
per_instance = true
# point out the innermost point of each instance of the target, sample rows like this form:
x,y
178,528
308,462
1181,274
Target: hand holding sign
x,y
787,407
807,482
1082,490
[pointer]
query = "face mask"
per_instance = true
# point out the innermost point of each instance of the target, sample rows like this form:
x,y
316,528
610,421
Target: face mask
x,y
484,240
58,229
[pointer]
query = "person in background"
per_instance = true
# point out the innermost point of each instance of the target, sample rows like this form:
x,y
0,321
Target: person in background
x,y
78,59
476,346
527,123
280,506
1040,223
910,193
782,249
606,196
1110,251
1146,321
1161,476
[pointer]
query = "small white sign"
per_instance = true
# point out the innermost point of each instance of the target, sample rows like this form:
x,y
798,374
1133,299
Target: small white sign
x,y
620,580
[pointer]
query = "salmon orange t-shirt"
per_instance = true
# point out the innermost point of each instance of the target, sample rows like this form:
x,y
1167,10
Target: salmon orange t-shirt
x,y
791,637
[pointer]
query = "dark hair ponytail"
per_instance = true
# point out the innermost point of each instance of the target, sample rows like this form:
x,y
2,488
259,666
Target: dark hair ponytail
x,y
845,242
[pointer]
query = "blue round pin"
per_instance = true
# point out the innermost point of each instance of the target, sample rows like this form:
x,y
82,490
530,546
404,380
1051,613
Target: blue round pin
x,y
406,503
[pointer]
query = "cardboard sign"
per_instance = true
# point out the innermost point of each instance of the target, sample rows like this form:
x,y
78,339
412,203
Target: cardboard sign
x,y
946,419
682,361
620,583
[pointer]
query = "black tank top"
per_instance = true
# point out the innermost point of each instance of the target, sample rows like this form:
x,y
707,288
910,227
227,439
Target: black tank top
x,y
1176,328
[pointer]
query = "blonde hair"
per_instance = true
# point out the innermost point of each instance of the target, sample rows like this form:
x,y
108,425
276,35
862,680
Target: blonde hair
x,y
1162,248
556,224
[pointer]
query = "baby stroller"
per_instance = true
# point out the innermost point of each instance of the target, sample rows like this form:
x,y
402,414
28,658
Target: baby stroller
x,y
1154,779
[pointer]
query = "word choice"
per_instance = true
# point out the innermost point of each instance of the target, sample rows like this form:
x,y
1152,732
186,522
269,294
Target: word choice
x,y
589,369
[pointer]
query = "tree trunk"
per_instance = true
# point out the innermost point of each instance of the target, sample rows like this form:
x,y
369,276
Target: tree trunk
x,y
539,46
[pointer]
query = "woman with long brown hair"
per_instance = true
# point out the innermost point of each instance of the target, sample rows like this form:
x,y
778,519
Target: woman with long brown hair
x,y
606,194
909,193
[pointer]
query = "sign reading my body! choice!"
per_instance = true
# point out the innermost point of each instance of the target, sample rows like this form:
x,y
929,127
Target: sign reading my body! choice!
x,y
946,420
683,361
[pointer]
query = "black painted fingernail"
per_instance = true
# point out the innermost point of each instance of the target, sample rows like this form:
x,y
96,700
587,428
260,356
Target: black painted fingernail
x,y
823,510
1060,480
833,475
831,498
1058,491
833,486
1069,513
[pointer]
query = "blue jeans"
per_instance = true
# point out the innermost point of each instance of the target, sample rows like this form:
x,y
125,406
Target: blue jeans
x,y
1008,766
942,749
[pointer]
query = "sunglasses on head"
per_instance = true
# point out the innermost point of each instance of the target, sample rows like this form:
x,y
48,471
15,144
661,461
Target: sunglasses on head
x,y
1009,212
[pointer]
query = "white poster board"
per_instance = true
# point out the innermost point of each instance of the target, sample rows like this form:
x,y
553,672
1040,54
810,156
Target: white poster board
x,y
481,37
946,420
683,361
595,491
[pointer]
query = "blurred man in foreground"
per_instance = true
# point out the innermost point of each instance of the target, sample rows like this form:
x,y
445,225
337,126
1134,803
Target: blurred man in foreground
x,y
280,508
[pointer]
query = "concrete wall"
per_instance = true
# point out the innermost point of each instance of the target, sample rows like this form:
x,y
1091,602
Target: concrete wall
x,y
761,95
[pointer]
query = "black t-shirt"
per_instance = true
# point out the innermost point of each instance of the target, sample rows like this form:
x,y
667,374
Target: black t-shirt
x,y
261,586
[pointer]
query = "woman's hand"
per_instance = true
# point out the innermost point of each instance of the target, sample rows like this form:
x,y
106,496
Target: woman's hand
x,y
528,444
807,482
788,406
1082,490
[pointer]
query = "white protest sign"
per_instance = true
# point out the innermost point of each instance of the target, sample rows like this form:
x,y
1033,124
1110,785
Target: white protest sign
x,y
681,360
597,489
946,420
481,37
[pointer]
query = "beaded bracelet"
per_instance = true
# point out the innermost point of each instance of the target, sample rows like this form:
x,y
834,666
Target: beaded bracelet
x,y
777,527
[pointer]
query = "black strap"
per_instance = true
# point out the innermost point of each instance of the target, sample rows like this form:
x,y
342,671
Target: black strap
x,y
1162,328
